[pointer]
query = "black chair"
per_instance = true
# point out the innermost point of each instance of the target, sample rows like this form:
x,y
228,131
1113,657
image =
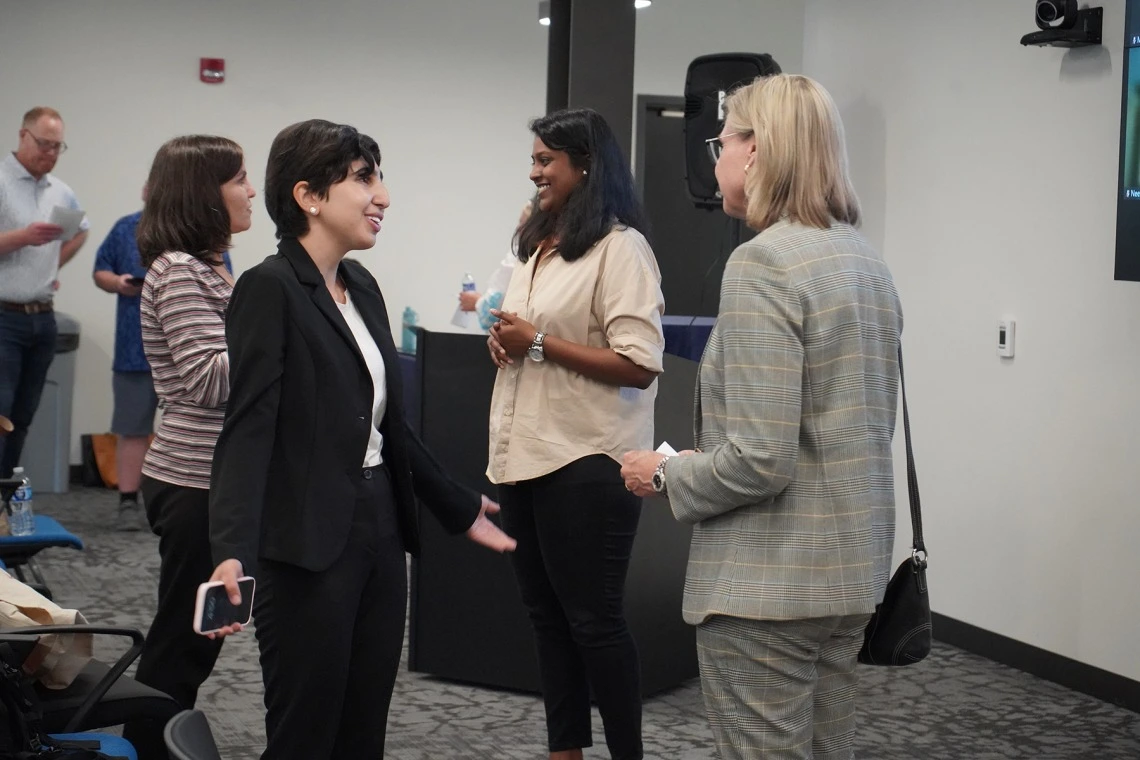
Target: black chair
x,y
23,733
100,695
188,737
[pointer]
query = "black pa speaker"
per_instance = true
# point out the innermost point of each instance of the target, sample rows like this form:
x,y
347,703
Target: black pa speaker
x,y
709,78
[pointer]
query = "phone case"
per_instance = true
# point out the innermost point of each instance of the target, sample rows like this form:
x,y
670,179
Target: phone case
x,y
200,601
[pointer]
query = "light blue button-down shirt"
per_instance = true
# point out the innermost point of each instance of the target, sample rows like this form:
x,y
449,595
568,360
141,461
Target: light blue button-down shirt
x,y
27,274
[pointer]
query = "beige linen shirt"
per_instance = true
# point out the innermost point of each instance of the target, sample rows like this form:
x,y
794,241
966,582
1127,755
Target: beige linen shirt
x,y
543,415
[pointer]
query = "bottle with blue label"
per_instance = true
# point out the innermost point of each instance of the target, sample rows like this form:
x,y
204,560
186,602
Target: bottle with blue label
x,y
407,334
465,319
23,521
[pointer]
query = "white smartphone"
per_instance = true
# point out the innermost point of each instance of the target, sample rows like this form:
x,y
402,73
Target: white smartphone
x,y
213,610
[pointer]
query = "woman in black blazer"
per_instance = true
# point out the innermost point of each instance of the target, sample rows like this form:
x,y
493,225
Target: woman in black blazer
x,y
316,472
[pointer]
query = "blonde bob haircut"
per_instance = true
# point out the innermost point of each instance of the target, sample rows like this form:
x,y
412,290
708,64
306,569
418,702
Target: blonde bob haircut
x,y
801,159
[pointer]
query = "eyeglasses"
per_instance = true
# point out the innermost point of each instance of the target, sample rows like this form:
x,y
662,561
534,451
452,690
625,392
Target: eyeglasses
x,y
716,145
47,146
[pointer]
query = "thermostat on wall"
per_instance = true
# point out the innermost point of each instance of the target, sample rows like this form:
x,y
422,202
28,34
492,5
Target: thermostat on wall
x,y
1007,329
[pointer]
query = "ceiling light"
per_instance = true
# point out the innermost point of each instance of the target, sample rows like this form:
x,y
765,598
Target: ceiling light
x,y
544,9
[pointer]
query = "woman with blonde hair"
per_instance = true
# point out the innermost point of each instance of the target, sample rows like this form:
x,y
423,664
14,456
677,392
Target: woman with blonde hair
x,y
791,490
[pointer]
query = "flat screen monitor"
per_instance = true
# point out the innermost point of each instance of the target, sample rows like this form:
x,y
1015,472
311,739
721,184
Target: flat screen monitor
x,y
1128,198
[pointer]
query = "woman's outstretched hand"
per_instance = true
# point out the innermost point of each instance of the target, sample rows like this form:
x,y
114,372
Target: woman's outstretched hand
x,y
486,533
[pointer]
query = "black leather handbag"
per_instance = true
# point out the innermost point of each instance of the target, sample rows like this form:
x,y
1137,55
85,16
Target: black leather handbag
x,y
900,632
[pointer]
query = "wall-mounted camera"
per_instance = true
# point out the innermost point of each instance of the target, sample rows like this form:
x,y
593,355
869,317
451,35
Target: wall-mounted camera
x,y
1062,24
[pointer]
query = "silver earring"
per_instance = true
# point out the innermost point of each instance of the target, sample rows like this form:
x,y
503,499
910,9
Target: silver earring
x,y
584,172
313,210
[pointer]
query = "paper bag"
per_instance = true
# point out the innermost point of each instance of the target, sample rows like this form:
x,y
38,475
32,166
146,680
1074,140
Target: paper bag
x,y
57,658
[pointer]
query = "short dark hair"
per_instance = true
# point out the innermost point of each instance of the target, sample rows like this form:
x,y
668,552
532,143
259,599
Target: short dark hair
x,y
605,196
318,152
184,208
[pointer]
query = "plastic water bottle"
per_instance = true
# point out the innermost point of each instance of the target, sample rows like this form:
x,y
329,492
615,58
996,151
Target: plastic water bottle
x,y
407,334
23,520
465,319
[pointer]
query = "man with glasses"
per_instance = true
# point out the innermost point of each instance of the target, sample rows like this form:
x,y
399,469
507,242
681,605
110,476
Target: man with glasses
x,y
31,253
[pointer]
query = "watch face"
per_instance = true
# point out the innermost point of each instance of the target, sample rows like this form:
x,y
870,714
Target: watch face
x,y
658,482
536,354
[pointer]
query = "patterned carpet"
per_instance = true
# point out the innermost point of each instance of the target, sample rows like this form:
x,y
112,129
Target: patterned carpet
x,y
954,706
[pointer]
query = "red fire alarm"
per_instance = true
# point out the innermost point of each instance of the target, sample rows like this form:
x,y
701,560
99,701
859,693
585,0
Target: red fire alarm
x,y
212,70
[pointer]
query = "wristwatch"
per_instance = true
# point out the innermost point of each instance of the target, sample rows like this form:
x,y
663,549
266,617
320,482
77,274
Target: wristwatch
x,y
535,352
658,480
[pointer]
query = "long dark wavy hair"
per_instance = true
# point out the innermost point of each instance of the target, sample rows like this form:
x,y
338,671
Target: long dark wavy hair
x,y
604,198
184,208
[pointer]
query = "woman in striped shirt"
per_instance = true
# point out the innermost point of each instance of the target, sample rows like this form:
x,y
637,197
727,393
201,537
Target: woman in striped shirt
x,y
199,195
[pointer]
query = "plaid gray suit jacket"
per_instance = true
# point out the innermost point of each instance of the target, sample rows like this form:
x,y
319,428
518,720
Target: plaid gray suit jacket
x,y
792,498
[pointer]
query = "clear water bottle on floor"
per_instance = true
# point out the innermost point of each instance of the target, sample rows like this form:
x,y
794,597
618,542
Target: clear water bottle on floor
x,y
23,518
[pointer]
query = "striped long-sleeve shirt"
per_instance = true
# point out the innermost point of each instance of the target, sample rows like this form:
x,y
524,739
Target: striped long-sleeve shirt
x,y
183,328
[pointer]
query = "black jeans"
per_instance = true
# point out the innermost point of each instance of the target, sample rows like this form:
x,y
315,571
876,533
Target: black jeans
x,y
175,660
27,348
330,641
575,529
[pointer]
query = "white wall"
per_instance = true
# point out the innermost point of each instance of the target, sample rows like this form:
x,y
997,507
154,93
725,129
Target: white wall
x,y
446,87
671,33
989,173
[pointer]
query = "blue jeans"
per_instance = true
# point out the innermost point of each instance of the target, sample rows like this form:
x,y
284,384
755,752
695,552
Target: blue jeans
x,y
27,347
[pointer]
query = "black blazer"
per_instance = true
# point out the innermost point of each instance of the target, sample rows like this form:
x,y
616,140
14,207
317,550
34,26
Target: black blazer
x,y
297,423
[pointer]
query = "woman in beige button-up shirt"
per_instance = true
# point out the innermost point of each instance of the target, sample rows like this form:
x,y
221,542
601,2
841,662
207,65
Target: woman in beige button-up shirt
x,y
579,349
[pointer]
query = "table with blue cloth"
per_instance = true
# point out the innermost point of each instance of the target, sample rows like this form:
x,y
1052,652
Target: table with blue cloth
x,y
686,336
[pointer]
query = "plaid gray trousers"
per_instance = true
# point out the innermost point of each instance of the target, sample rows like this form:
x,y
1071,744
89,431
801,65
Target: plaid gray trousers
x,y
781,689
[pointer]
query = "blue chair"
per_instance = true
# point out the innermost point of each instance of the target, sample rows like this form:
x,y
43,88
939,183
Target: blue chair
x,y
17,552
110,745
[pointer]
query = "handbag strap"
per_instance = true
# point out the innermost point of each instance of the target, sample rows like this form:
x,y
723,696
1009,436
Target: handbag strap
x,y
911,477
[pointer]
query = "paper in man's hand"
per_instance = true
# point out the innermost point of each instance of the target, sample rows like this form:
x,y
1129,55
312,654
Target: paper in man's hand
x,y
69,219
